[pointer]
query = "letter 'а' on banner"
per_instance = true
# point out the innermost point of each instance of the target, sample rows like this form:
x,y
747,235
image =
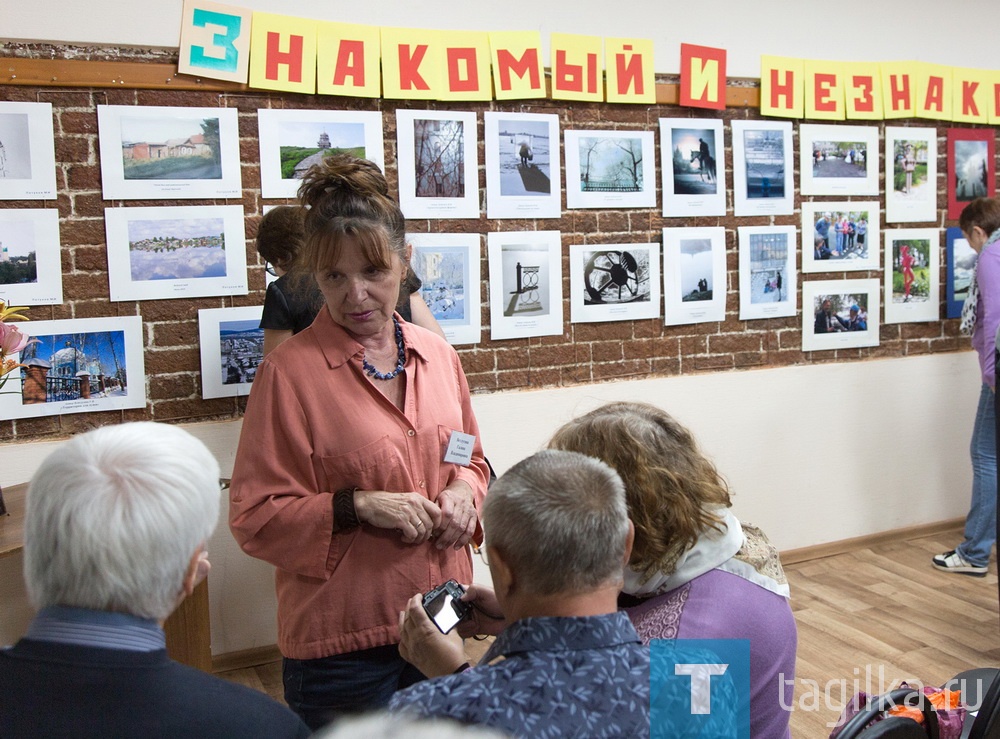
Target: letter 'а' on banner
x,y
347,60
824,90
517,65
412,64
466,73
703,77
781,86
577,64
283,53
215,41
631,74
898,90
863,91
933,91
970,95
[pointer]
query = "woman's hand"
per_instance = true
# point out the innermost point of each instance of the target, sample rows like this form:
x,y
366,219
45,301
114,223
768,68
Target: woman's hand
x,y
458,516
423,645
415,516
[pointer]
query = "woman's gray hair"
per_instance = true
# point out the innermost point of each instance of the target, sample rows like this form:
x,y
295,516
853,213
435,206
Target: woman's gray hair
x,y
114,516
560,521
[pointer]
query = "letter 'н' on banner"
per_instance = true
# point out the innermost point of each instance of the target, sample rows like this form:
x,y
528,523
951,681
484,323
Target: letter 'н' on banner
x,y
466,73
517,65
283,53
782,82
412,64
630,72
933,91
577,64
347,60
970,95
824,90
863,91
215,41
703,77
898,89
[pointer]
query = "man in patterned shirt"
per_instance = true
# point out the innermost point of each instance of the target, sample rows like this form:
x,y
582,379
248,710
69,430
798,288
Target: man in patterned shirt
x,y
558,537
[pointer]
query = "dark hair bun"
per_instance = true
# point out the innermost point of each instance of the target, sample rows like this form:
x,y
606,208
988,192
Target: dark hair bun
x,y
342,177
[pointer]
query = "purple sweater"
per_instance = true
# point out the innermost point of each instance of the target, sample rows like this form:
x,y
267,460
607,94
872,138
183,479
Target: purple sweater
x,y
720,605
987,310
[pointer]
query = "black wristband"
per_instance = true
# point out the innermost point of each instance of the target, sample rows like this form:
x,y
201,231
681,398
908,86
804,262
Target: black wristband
x,y
345,516
464,666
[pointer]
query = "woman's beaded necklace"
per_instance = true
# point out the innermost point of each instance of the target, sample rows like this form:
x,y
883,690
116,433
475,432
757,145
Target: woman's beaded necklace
x,y
400,357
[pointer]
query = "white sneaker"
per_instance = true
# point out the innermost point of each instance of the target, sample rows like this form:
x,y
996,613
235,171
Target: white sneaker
x,y
954,562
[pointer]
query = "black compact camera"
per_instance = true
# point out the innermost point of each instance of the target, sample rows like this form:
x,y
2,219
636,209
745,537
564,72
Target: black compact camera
x,y
445,607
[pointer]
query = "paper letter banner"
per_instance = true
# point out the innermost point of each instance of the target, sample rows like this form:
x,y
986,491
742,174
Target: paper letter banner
x,y
412,64
824,90
970,101
283,53
215,41
630,72
703,77
576,67
863,91
347,60
781,86
898,90
466,66
517,65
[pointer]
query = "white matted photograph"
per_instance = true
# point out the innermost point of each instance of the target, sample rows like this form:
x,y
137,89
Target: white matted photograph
x,y
614,282
27,152
767,271
838,160
693,167
168,153
763,181
192,251
525,284
448,267
610,169
912,275
522,165
232,345
839,314
291,141
437,153
30,261
910,175
694,275
78,366
840,236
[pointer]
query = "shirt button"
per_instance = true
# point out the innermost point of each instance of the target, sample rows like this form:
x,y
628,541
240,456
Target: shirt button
x,y
423,484
411,432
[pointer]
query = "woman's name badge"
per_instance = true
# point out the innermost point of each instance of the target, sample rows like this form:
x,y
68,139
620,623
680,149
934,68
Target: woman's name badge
x,y
459,449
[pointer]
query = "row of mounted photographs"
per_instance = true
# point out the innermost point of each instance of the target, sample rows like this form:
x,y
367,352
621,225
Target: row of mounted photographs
x,y
150,152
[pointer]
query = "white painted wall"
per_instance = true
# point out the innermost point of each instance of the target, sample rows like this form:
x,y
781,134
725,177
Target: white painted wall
x,y
850,30
813,454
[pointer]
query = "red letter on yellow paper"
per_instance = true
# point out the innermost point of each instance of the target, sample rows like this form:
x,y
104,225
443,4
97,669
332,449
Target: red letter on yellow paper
x,y
348,60
517,65
467,66
283,53
862,91
824,90
781,85
412,64
630,73
576,67
933,91
898,89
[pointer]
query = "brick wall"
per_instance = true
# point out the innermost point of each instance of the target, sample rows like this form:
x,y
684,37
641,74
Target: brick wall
x,y
583,353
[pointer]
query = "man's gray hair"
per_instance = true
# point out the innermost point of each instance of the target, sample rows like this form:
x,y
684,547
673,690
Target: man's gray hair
x,y
114,516
559,519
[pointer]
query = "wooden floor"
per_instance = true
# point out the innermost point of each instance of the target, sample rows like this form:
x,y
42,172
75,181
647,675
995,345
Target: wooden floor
x,y
877,615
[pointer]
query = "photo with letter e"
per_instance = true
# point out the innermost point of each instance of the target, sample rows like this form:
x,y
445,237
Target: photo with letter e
x,y
699,687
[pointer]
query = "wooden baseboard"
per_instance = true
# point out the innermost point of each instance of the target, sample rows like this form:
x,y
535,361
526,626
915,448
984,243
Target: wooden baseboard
x,y
819,551
245,658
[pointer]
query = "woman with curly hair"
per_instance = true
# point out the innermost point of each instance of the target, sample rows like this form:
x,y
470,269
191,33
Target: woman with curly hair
x,y
695,572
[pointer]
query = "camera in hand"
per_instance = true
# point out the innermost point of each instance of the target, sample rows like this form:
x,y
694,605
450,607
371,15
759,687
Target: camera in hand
x,y
445,607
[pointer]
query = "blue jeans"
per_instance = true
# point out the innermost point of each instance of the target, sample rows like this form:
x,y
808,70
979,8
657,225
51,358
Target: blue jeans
x,y
981,523
320,690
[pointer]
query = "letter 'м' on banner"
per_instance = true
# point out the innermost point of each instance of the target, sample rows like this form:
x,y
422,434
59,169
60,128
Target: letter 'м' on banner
x,y
215,41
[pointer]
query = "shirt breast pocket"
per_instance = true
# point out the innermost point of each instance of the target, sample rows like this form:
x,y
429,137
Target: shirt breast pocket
x,y
374,466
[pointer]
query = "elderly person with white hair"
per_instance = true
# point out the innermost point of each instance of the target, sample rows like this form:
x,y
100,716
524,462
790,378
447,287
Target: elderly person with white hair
x,y
114,539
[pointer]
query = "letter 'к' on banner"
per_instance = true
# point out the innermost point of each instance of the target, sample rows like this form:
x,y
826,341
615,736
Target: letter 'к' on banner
x,y
971,95
348,59
630,71
412,64
215,41
466,66
703,77
781,87
933,91
577,63
824,90
863,91
517,65
283,53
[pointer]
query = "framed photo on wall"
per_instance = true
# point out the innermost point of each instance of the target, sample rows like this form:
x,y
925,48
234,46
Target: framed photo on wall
x,y
763,166
840,236
960,260
693,167
694,275
291,141
911,275
27,152
523,173
232,345
448,268
614,282
839,314
438,160
838,160
525,284
30,261
610,169
160,153
767,271
910,175
78,366
971,167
